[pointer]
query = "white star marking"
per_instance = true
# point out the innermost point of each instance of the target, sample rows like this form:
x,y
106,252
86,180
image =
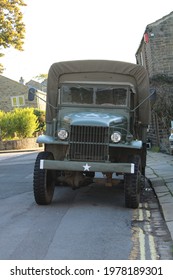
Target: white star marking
x,y
86,167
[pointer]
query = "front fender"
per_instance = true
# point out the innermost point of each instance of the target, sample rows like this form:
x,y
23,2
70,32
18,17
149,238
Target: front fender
x,y
137,144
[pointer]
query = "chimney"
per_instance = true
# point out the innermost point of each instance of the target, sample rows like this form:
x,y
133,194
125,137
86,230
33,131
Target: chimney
x,y
21,81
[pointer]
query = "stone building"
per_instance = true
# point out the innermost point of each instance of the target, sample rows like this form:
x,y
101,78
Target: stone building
x,y
155,53
40,86
15,95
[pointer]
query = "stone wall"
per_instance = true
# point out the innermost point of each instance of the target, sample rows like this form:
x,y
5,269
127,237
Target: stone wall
x,y
156,54
159,135
161,44
27,143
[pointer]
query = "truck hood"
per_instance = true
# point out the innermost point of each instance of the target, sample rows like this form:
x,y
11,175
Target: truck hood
x,y
94,119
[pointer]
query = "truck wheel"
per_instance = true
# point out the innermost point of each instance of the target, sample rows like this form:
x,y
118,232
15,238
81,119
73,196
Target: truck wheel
x,y
132,185
43,180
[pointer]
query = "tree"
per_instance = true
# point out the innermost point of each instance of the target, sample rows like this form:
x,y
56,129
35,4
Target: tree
x,y
41,76
12,28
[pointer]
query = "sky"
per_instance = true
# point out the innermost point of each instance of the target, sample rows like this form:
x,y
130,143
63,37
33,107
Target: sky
x,y
61,30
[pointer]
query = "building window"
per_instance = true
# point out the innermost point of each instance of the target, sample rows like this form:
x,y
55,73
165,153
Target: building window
x,y
17,101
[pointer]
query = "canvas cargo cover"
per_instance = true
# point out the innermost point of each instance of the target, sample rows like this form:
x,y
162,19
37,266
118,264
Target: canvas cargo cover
x,y
99,71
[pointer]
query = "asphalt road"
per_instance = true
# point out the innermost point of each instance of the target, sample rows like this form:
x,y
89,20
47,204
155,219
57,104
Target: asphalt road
x,y
85,224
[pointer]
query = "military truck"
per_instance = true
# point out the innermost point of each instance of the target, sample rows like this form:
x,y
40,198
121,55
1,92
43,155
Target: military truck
x,y
97,114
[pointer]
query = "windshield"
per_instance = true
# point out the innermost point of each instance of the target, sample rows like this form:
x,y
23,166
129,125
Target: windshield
x,y
96,95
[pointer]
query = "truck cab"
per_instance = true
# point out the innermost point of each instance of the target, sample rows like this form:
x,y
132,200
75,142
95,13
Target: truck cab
x,y
96,121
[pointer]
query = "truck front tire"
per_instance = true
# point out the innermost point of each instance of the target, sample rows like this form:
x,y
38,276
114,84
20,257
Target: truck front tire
x,y
132,185
43,180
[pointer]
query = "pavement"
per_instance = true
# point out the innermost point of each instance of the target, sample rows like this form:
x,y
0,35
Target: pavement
x,y
159,171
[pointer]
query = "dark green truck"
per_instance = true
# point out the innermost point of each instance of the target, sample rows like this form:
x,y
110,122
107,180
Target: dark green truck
x,y
97,114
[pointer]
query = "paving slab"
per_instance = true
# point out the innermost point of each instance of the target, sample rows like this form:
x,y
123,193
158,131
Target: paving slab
x,y
170,227
167,211
160,189
164,198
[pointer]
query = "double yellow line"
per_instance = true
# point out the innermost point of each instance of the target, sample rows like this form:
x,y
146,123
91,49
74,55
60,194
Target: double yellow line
x,y
142,237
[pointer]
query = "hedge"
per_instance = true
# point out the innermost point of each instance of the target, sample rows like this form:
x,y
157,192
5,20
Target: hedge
x,y
18,124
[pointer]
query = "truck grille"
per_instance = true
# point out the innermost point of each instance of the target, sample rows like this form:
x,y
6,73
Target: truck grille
x,y
89,143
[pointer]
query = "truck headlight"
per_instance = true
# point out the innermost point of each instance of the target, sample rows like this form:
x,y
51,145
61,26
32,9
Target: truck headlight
x,y
62,134
116,137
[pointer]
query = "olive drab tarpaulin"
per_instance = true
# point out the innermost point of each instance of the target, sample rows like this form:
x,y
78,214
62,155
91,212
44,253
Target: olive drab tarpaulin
x,y
99,71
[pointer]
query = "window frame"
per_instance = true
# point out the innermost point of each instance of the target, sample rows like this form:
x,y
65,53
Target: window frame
x,y
18,102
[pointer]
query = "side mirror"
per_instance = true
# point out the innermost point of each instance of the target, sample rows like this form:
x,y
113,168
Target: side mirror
x,y
31,94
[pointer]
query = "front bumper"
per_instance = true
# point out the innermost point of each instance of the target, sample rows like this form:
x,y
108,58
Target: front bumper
x,y
87,166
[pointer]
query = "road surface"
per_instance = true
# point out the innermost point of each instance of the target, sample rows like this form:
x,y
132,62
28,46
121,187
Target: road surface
x,y
85,224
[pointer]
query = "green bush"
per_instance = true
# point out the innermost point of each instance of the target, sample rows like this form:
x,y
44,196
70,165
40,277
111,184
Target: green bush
x,y
19,123
41,123
7,129
25,122
155,149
